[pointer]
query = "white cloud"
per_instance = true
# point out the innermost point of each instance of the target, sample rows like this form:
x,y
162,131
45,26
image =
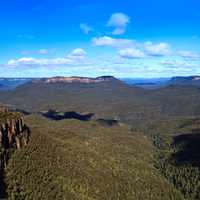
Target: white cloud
x,y
77,53
119,21
86,29
188,55
161,49
131,53
26,61
112,42
119,31
147,48
75,57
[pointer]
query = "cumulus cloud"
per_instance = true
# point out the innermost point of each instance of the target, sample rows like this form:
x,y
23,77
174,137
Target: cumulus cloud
x,y
119,22
77,56
85,28
77,53
25,60
112,42
131,53
29,61
161,49
131,48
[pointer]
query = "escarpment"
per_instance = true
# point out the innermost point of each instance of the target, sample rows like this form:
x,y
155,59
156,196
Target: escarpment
x,y
14,134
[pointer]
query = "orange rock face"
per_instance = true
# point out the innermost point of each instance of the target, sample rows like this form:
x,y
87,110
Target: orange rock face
x,y
14,134
75,79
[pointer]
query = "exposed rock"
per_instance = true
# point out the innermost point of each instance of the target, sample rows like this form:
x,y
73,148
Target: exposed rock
x,y
3,108
14,133
75,79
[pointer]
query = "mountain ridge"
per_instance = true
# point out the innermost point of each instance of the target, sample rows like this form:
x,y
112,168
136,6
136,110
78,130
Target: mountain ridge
x,y
185,80
75,79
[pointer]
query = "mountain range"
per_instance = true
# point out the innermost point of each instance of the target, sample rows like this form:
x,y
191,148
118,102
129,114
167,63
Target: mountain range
x,y
147,83
100,138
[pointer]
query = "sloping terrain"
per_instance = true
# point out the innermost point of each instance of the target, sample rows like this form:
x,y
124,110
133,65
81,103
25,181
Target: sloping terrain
x,y
103,99
188,80
106,99
12,83
84,160
105,140
177,142
14,134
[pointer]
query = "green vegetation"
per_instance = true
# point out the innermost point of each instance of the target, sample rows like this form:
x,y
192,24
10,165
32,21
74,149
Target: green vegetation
x,y
151,153
4,116
83,160
177,144
107,100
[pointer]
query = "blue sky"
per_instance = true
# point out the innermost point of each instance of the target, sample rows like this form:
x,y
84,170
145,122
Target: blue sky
x,y
132,38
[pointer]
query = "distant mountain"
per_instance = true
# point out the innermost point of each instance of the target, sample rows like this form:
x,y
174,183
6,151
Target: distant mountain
x,y
147,83
1,86
126,139
188,80
11,83
156,83
106,97
75,79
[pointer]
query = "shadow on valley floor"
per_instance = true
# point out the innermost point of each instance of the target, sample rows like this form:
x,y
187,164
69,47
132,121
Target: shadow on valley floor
x,y
188,148
108,122
54,115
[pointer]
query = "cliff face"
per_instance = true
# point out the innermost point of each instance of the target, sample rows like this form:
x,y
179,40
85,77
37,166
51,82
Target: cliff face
x,y
75,79
3,108
14,134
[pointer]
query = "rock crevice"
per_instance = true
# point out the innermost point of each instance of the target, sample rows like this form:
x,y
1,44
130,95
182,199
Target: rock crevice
x,y
14,134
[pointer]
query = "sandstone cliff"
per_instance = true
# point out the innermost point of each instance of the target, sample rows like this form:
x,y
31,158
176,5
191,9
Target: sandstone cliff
x,y
14,134
75,79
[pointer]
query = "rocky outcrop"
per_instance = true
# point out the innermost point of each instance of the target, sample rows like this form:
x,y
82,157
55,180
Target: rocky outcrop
x,y
75,79
3,108
14,134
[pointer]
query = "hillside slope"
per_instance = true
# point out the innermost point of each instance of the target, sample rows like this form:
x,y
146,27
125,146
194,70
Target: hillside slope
x,y
84,160
106,99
